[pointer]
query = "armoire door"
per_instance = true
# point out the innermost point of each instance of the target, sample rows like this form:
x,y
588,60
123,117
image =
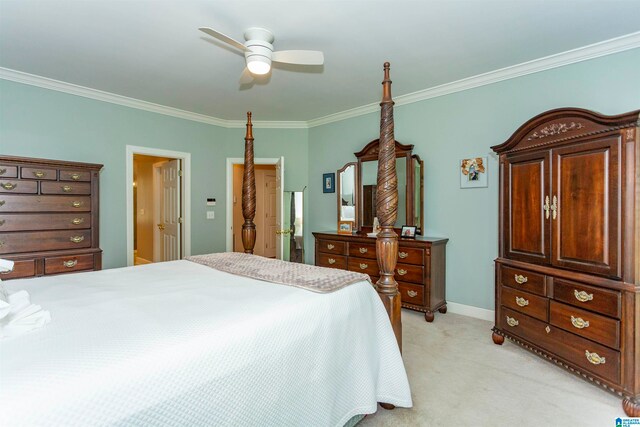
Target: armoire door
x,y
586,206
526,207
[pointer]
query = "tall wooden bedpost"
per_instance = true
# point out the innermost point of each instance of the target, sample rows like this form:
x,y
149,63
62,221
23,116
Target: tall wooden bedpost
x,y
248,191
387,210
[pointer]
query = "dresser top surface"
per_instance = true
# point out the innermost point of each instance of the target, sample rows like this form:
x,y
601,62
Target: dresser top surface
x,y
48,162
364,236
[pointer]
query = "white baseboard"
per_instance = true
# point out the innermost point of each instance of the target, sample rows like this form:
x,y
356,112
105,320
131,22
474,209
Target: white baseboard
x,y
471,311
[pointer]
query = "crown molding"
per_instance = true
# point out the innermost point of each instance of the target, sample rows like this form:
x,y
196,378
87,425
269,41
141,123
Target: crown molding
x,y
596,50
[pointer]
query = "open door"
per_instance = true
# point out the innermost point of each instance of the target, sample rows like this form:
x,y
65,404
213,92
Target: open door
x,y
169,211
279,209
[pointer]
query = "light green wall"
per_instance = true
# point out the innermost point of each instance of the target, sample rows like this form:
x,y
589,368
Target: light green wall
x,y
465,124
36,122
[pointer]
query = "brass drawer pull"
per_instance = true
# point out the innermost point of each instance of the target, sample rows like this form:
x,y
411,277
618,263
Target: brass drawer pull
x,y
76,204
67,188
402,271
2,221
76,221
8,186
554,208
2,202
332,261
3,171
363,250
363,266
582,296
579,322
520,279
330,246
1,243
512,322
522,302
546,207
595,358
403,255
75,176
71,263
39,174
412,293
76,239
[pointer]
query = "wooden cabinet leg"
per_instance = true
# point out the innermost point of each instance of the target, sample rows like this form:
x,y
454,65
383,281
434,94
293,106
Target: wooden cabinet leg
x,y
631,407
388,406
497,339
428,316
443,309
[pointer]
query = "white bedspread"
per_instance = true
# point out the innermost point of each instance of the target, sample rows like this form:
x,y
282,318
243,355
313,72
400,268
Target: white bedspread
x,y
178,343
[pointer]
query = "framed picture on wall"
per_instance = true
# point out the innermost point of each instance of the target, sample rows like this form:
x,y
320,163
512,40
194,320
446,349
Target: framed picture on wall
x,y
473,172
329,182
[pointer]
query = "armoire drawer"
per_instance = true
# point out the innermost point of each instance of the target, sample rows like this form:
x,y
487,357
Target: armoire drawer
x,y
39,173
332,247
603,301
65,188
52,221
523,280
18,186
17,203
71,175
601,329
364,265
8,171
409,273
525,302
22,268
362,250
411,255
411,294
333,261
33,241
592,357
68,263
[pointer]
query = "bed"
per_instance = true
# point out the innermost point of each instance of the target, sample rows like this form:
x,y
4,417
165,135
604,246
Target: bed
x,y
180,343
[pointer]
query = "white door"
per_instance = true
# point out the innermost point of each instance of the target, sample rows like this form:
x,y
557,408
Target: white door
x,y
279,208
169,223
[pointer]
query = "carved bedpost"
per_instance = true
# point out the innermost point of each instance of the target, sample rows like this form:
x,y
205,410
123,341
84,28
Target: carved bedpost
x,y
248,191
387,210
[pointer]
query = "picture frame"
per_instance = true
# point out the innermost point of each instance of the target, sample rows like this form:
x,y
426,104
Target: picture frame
x,y
329,182
345,227
473,172
408,232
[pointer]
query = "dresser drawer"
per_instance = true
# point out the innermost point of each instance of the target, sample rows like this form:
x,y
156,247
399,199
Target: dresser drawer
x,y
39,173
409,273
411,255
600,300
362,250
17,186
595,327
66,264
35,241
411,294
7,171
332,247
65,188
16,203
364,265
523,280
525,302
24,268
594,358
333,261
53,221
71,175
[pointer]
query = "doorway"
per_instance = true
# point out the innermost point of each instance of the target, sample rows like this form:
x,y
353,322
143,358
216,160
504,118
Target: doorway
x,y
157,205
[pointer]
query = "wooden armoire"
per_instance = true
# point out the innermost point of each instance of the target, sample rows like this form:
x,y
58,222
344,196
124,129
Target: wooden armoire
x,y
568,271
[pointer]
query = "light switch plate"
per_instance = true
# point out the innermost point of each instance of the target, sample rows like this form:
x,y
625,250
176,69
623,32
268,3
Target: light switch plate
x,y
211,214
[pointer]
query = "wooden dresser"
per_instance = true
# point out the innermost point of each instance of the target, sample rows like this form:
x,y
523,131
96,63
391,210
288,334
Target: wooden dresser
x,y
568,272
48,216
420,271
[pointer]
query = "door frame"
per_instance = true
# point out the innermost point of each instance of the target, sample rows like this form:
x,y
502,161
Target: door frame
x,y
257,161
186,194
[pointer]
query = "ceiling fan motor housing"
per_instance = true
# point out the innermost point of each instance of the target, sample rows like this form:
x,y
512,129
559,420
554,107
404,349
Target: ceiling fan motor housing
x,y
258,56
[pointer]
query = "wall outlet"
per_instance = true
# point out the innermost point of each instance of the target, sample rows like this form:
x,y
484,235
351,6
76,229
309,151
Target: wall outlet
x,y
211,214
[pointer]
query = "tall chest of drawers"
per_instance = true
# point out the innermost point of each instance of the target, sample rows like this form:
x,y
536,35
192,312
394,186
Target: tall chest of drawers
x,y
568,272
49,216
420,271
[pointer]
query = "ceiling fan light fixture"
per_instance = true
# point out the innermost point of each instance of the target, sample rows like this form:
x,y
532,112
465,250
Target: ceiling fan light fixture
x,y
258,65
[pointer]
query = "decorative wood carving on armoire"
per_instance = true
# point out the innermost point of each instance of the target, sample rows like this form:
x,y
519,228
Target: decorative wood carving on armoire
x,y
49,212
568,271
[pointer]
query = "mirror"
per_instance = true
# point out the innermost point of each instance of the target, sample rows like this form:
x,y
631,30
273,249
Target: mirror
x,y
347,192
293,241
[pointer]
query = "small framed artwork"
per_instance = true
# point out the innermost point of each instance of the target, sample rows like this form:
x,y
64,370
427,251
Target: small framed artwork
x,y
473,172
345,227
329,182
408,232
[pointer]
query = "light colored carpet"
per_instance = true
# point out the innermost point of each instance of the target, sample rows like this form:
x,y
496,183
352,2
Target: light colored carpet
x,y
459,377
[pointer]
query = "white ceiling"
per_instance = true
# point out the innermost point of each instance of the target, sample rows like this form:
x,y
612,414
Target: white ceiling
x,y
153,51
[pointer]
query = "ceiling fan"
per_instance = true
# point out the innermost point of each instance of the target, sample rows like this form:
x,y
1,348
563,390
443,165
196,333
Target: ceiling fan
x,y
259,53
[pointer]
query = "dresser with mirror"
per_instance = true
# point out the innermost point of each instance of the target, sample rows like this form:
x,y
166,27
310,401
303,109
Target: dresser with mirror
x,y
420,271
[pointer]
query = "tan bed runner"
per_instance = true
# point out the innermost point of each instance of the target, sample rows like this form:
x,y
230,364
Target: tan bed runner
x,y
309,277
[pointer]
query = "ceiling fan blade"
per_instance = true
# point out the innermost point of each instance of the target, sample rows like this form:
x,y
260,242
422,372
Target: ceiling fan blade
x,y
224,38
246,77
301,57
